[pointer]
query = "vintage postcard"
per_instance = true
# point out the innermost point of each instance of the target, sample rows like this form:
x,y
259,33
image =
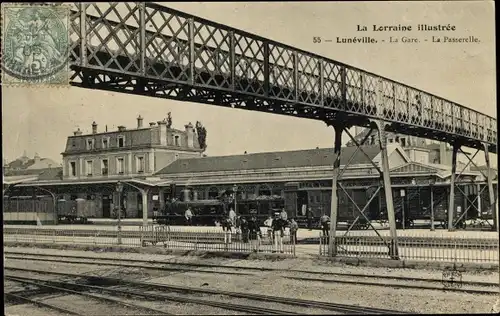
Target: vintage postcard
x,y
250,157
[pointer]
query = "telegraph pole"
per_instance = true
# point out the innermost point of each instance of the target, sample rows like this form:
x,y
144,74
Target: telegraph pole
x,y
235,188
119,189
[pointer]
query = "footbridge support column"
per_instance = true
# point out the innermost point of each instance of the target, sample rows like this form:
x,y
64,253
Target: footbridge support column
x,y
493,205
144,194
332,247
386,177
451,204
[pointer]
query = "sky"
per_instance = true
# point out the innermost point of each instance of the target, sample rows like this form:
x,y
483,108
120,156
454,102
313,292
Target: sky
x,y
38,120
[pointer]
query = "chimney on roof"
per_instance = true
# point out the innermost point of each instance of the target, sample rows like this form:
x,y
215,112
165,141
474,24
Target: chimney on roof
x,y
78,132
443,154
37,157
139,121
163,132
189,128
151,124
94,127
106,128
121,128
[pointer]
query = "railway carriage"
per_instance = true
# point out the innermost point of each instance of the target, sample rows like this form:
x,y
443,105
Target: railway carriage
x,y
28,209
75,211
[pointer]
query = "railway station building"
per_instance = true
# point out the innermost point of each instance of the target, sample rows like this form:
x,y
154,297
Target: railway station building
x,y
159,163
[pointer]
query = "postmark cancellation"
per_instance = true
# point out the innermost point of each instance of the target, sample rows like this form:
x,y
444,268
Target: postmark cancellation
x,y
35,45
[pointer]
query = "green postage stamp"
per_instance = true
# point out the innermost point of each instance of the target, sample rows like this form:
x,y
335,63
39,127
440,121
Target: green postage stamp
x,y
35,45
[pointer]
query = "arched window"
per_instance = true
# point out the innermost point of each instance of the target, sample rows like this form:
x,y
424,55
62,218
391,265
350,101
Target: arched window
x,y
265,189
213,193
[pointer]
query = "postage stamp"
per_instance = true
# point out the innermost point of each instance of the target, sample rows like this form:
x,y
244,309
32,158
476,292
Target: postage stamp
x,y
35,45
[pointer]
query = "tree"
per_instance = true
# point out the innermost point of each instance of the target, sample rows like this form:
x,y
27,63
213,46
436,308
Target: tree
x,y
202,135
169,120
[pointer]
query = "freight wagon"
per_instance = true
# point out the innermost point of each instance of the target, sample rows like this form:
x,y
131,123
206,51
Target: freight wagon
x,y
75,211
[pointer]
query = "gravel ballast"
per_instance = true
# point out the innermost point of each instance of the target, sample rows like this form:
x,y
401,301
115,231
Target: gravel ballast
x,y
271,283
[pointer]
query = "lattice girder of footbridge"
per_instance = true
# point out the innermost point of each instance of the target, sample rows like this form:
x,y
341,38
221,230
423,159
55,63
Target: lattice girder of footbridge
x,y
148,49
151,50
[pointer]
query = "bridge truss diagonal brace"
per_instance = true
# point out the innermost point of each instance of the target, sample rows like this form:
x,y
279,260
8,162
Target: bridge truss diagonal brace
x,y
337,175
386,178
493,202
362,212
471,204
456,180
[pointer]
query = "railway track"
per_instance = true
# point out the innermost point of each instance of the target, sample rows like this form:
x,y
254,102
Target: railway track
x,y
359,279
18,298
119,263
66,287
157,291
60,289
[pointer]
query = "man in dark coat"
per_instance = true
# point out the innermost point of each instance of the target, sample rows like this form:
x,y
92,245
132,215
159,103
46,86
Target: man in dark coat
x,y
226,224
254,233
325,225
278,233
309,218
244,229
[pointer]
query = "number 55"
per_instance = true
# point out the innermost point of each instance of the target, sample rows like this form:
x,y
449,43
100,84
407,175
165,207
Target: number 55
x,y
316,39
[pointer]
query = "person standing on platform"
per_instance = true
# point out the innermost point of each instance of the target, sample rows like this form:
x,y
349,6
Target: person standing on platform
x,y
254,234
309,218
244,229
269,224
283,215
278,233
237,227
226,227
189,216
324,221
155,214
294,227
232,217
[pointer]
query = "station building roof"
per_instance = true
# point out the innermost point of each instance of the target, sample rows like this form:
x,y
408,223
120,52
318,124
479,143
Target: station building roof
x,y
42,174
28,176
270,160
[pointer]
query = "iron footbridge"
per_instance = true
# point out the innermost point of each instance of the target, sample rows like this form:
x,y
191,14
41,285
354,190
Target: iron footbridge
x,y
151,50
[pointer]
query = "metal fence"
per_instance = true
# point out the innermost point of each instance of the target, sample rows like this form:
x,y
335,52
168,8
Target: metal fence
x,y
164,236
445,249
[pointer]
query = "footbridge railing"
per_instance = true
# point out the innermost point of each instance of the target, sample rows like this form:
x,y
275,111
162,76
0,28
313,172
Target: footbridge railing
x,y
149,49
